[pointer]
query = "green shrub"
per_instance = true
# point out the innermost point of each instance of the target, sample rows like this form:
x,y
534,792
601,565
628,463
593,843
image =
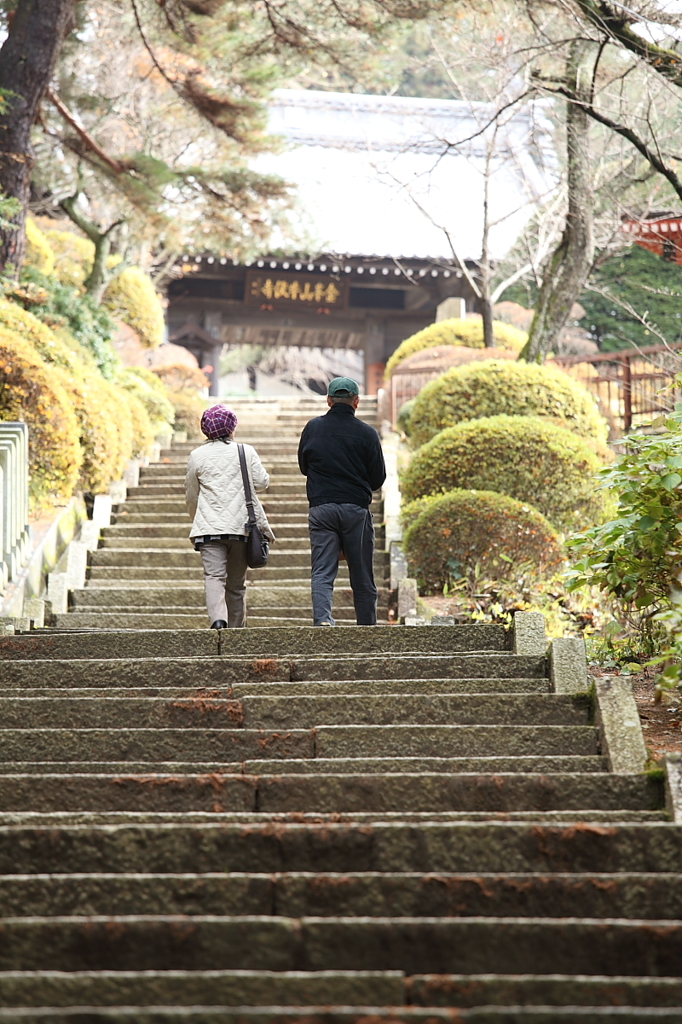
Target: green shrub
x,y
149,390
411,510
524,457
83,326
496,386
31,390
472,534
403,421
188,411
118,409
131,297
456,332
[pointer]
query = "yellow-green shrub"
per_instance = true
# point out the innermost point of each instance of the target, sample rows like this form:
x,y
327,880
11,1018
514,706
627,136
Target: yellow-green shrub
x,y
132,298
49,346
524,457
31,391
149,390
498,386
143,432
118,408
188,412
93,405
39,252
75,255
457,332
466,535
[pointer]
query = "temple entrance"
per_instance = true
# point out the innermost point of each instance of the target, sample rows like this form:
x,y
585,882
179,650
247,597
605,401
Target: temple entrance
x,y
358,304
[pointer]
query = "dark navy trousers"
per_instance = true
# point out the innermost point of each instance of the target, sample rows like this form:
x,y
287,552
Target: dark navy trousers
x,y
348,530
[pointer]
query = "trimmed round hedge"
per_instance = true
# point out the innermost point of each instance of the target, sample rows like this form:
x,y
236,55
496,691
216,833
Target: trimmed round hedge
x,y
479,534
98,431
479,390
32,391
524,457
456,332
131,297
44,340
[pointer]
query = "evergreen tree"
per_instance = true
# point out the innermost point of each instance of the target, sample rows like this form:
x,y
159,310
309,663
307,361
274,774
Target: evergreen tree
x,y
635,284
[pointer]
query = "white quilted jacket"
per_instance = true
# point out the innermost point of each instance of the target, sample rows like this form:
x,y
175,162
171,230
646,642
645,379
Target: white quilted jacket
x,y
214,491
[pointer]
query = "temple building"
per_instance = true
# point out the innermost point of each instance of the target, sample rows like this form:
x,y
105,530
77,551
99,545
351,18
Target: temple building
x,y
390,201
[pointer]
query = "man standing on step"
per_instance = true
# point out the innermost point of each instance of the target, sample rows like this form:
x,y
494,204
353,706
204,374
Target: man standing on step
x,y
342,458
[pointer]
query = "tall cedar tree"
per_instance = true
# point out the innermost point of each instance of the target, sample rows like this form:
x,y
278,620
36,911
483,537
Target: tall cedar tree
x,y
27,60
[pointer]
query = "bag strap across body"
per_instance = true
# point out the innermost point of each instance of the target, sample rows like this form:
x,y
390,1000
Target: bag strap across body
x,y
247,487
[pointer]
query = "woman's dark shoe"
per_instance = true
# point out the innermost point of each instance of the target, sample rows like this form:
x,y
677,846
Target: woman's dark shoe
x,y
219,624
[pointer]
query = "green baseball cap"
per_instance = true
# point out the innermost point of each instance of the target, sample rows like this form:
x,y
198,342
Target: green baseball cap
x,y
342,386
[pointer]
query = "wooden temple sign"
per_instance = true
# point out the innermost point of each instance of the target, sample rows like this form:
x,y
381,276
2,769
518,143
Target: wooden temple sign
x,y
277,290
663,236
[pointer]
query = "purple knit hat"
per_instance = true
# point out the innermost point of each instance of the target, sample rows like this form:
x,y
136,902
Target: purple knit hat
x,y
218,422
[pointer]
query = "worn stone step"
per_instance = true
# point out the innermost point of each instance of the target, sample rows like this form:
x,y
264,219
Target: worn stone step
x,y
261,593
267,844
160,618
240,744
266,643
188,557
356,894
210,671
344,766
185,988
329,1014
397,792
368,687
284,711
170,545
414,945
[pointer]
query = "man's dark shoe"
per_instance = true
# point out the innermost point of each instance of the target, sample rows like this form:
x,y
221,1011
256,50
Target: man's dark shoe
x,y
219,624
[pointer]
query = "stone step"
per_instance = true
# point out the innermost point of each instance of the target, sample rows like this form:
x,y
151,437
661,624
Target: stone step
x,y
264,594
351,894
326,765
414,945
239,744
269,643
161,618
187,557
140,576
345,1014
287,712
263,843
183,988
473,672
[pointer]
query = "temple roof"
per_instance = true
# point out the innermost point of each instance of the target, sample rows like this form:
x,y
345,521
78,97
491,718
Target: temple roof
x,y
394,176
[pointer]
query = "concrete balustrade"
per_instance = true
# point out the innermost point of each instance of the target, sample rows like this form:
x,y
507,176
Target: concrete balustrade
x,y
14,531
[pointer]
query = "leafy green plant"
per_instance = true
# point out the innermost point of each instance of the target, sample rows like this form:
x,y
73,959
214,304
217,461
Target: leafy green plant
x,y
497,386
524,457
636,558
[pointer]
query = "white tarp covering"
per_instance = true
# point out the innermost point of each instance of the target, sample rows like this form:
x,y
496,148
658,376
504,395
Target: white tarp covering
x,y
394,176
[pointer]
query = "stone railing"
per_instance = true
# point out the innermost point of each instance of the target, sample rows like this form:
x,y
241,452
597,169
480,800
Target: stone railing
x,y
14,531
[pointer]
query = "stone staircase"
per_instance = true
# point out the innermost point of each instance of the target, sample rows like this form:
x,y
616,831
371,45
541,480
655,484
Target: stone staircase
x,y
146,574
309,825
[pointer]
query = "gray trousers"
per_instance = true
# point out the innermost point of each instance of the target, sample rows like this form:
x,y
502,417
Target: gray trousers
x,y
336,529
225,581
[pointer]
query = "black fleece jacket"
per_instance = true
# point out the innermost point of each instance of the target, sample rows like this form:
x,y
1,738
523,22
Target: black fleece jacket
x,y
342,458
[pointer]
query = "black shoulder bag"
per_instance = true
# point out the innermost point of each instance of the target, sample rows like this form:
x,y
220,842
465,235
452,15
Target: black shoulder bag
x,y
257,547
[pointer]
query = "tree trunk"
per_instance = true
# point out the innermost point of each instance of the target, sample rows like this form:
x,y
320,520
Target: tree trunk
x,y
27,59
567,268
486,305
